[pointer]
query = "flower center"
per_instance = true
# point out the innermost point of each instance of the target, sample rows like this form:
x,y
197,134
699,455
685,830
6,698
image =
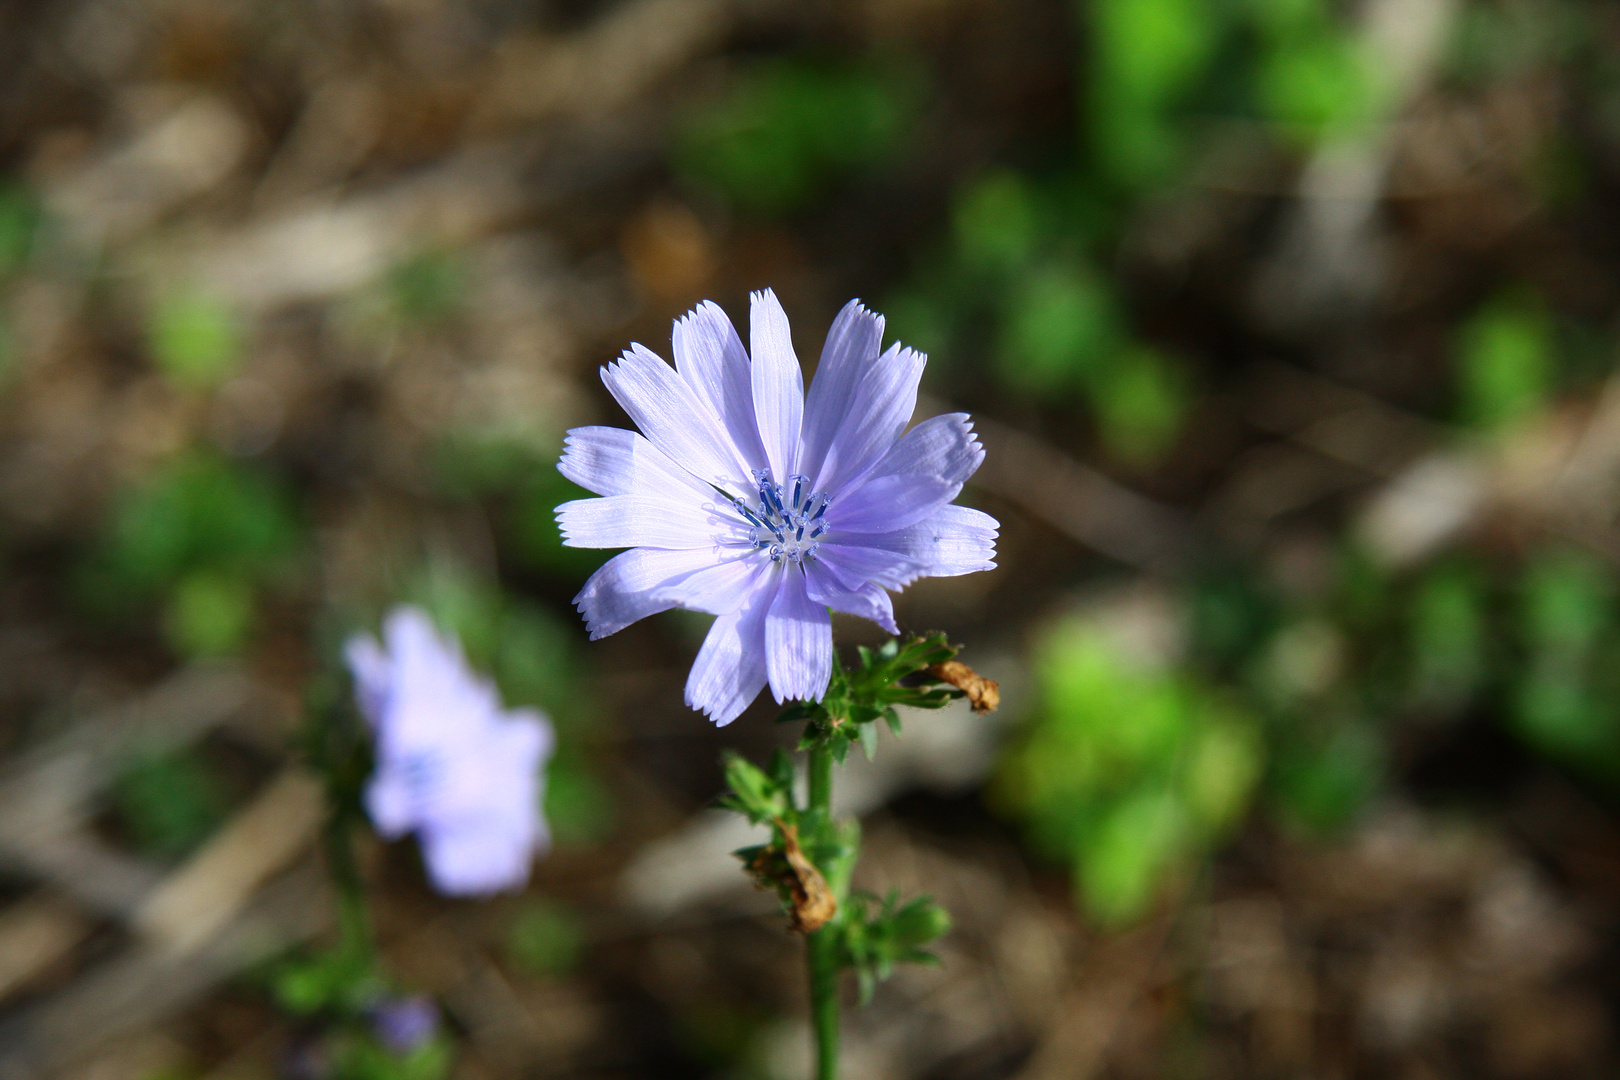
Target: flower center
x,y
787,520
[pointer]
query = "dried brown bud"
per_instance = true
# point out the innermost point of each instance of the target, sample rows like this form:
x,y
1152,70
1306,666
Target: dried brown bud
x,y
982,693
811,901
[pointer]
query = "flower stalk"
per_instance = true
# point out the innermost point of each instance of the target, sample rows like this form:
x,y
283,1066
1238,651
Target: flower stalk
x,y
821,946
810,857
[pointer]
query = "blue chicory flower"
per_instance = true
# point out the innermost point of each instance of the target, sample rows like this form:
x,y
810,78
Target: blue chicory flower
x,y
453,766
745,498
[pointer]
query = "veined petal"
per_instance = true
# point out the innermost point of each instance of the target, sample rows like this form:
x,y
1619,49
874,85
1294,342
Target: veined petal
x,y
618,461
672,417
798,642
855,565
778,384
624,589
729,671
942,446
869,601
886,503
721,588
883,403
622,521
710,357
953,540
852,345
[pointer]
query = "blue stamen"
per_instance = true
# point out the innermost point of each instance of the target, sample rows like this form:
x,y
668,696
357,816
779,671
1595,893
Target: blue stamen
x,y
780,521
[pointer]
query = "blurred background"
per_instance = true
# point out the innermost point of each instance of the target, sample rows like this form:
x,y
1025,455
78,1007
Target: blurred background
x,y
1290,329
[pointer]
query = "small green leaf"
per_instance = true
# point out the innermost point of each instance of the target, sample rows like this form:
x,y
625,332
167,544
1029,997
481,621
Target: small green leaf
x,y
755,795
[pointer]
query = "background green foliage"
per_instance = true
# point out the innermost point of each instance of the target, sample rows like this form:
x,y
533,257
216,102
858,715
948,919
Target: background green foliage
x,y
203,539
788,129
1128,773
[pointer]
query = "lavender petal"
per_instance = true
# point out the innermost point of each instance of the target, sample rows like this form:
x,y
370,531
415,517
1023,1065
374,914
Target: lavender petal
x,y
798,642
730,670
622,591
618,461
953,540
721,588
778,383
671,416
710,357
941,446
852,345
882,405
656,521
868,602
887,503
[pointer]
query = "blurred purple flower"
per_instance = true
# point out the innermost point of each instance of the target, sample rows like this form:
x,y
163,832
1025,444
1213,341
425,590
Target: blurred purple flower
x,y
403,1024
452,765
747,499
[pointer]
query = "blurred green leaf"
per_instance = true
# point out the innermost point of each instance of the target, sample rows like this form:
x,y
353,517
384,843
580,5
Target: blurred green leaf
x,y
1127,772
1223,767
195,339
757,795
1141,400
996,223
1567,599
922,319
169,803
531,528
546,938
209,614
19,222
1323,783
1147,55
1506,359
1448,635
1315,85
1556,712
427,288
1136,843
207,532
1230,616
579,805
872,943
1062,324
357,1055
788,128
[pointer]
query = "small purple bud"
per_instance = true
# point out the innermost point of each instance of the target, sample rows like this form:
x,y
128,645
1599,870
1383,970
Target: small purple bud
x,y
404,1024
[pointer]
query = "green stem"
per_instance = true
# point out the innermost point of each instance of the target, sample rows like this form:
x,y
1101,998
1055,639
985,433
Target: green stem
x,y
354,920
821,947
